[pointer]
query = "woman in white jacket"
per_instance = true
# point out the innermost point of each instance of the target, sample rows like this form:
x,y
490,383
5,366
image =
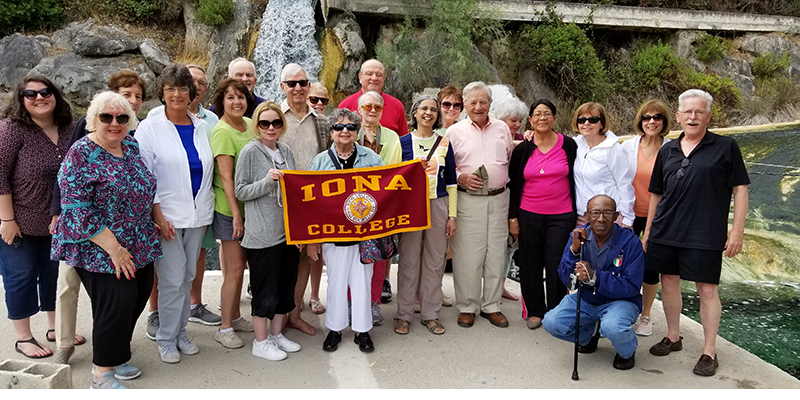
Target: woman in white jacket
x,y
652,125
601,166
175,148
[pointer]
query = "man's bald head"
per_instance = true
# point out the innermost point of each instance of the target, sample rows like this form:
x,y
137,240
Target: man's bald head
x,y
372,76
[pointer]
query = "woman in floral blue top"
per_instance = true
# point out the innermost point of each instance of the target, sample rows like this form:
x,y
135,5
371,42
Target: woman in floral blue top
x,y
106,231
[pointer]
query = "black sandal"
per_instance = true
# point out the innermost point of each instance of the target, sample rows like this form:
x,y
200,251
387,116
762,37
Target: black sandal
x,y
75,343
34,342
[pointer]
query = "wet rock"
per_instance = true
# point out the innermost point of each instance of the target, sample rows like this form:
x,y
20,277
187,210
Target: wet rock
x,y
348,32
18,55
153,55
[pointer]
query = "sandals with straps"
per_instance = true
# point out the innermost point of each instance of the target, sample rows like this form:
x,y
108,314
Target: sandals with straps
x,y
316,306
79,340
34,342
400,326
434,326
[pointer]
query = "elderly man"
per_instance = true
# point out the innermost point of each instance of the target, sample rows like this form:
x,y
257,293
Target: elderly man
x,y
372,77
687,222
245,71
307,135
611,272
482,148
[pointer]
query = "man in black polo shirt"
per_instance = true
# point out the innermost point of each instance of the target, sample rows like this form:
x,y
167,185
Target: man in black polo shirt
x,y
687,227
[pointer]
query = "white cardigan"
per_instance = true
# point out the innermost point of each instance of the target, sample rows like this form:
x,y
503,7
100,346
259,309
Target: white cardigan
x,y
631,147
163,153
604,170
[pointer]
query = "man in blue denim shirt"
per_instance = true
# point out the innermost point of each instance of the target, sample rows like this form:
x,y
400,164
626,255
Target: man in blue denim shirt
x,y
611,272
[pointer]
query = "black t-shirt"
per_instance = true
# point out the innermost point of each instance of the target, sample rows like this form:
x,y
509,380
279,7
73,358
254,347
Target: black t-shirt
x,y
697,192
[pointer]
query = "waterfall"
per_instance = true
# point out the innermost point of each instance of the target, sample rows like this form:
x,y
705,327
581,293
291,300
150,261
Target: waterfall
x,y
286,36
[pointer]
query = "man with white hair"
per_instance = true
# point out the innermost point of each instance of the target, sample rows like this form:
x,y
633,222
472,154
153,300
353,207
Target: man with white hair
x,y
687,222
243,70
482,148
307,135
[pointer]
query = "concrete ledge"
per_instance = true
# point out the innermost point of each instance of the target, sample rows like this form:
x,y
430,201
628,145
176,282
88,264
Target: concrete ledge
x,y
629,18
24,374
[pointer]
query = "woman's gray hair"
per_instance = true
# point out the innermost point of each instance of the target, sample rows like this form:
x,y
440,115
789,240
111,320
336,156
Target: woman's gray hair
x,y
415,107
373,94
340,113
511,108
477,85
691,93
175,74
109,99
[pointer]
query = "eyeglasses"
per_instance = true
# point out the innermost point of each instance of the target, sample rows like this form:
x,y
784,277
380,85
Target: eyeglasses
x,y
608,214
431,109
349,127
201,83
592,120
31,94
648,117
291,84
370,107
106,118
264,124
540,116
694,112
447,104
685,163
315,100
181,90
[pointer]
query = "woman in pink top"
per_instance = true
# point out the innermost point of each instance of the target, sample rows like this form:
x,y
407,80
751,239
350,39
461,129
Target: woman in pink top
x,y
542,208
652,125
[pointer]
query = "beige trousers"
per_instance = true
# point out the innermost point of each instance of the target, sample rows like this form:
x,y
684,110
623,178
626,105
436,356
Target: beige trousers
x,y
478,250
68,287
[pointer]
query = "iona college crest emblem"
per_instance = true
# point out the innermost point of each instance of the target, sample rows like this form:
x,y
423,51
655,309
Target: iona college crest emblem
x,y
360,207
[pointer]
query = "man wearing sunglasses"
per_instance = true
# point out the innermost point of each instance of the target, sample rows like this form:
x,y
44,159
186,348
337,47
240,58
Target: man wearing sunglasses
x,y
687,228
372,77
307,135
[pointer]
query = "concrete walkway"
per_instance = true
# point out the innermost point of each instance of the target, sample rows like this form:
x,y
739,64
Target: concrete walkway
x,y
463,358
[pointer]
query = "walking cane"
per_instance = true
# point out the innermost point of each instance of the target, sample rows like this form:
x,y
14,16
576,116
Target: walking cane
x,y
577,321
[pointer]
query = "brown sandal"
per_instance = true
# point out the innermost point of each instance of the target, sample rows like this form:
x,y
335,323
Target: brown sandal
x,y
434,326
400,326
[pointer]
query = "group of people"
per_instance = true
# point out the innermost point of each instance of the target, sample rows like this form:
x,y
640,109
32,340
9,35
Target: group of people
x,y
136,203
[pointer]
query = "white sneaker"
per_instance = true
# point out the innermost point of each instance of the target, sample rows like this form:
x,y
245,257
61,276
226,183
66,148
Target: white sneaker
x,y
169,354
186,346
269,350
228,339
242,325
644,327
284,343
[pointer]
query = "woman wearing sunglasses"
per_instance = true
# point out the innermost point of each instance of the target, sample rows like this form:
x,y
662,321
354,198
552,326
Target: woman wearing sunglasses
x,y
318,99
34,138
385,142
450,97
342,258
273,263
175,147
232,101
541,211
601,165
106,231
651,125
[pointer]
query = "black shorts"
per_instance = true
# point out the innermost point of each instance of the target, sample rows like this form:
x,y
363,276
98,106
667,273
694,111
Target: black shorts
x,y
691,264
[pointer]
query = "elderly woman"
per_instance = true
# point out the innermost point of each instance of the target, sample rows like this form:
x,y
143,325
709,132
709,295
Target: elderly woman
x,y
318,97
513,112
34,137
452,101
106,231
133,89
273,263
601,165
383,141
232,101
424,269
541,211
651,125
175,148
343,259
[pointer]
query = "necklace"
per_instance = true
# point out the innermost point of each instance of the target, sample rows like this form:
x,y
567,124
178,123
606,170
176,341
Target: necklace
x,y
541,166
345,156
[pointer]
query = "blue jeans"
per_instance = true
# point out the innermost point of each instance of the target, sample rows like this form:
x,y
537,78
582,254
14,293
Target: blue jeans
x,y
23,268
615,319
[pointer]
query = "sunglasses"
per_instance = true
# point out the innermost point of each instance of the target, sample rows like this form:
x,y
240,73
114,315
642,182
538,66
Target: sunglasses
x,y
106,118
315,100
685,163
31,94
447,104
264,124
370,107
349,127
592,120
291,84
648,117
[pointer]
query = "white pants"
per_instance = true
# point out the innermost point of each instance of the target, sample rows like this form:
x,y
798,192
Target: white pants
x,y
345,269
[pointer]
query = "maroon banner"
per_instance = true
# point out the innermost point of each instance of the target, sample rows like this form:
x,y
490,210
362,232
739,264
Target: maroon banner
x,y
355,204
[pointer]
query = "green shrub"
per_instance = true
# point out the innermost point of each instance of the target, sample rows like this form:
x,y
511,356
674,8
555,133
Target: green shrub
x,y
711,48
652,64
29,15
726,95
768,64
214,12
135,11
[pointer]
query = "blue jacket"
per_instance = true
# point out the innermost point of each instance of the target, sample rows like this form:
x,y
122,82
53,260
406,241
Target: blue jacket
x,y
623,282
364,158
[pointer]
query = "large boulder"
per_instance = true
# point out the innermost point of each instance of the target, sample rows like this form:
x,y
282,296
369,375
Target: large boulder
x,y
738,70
103,41
153,55
18,55
775,43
